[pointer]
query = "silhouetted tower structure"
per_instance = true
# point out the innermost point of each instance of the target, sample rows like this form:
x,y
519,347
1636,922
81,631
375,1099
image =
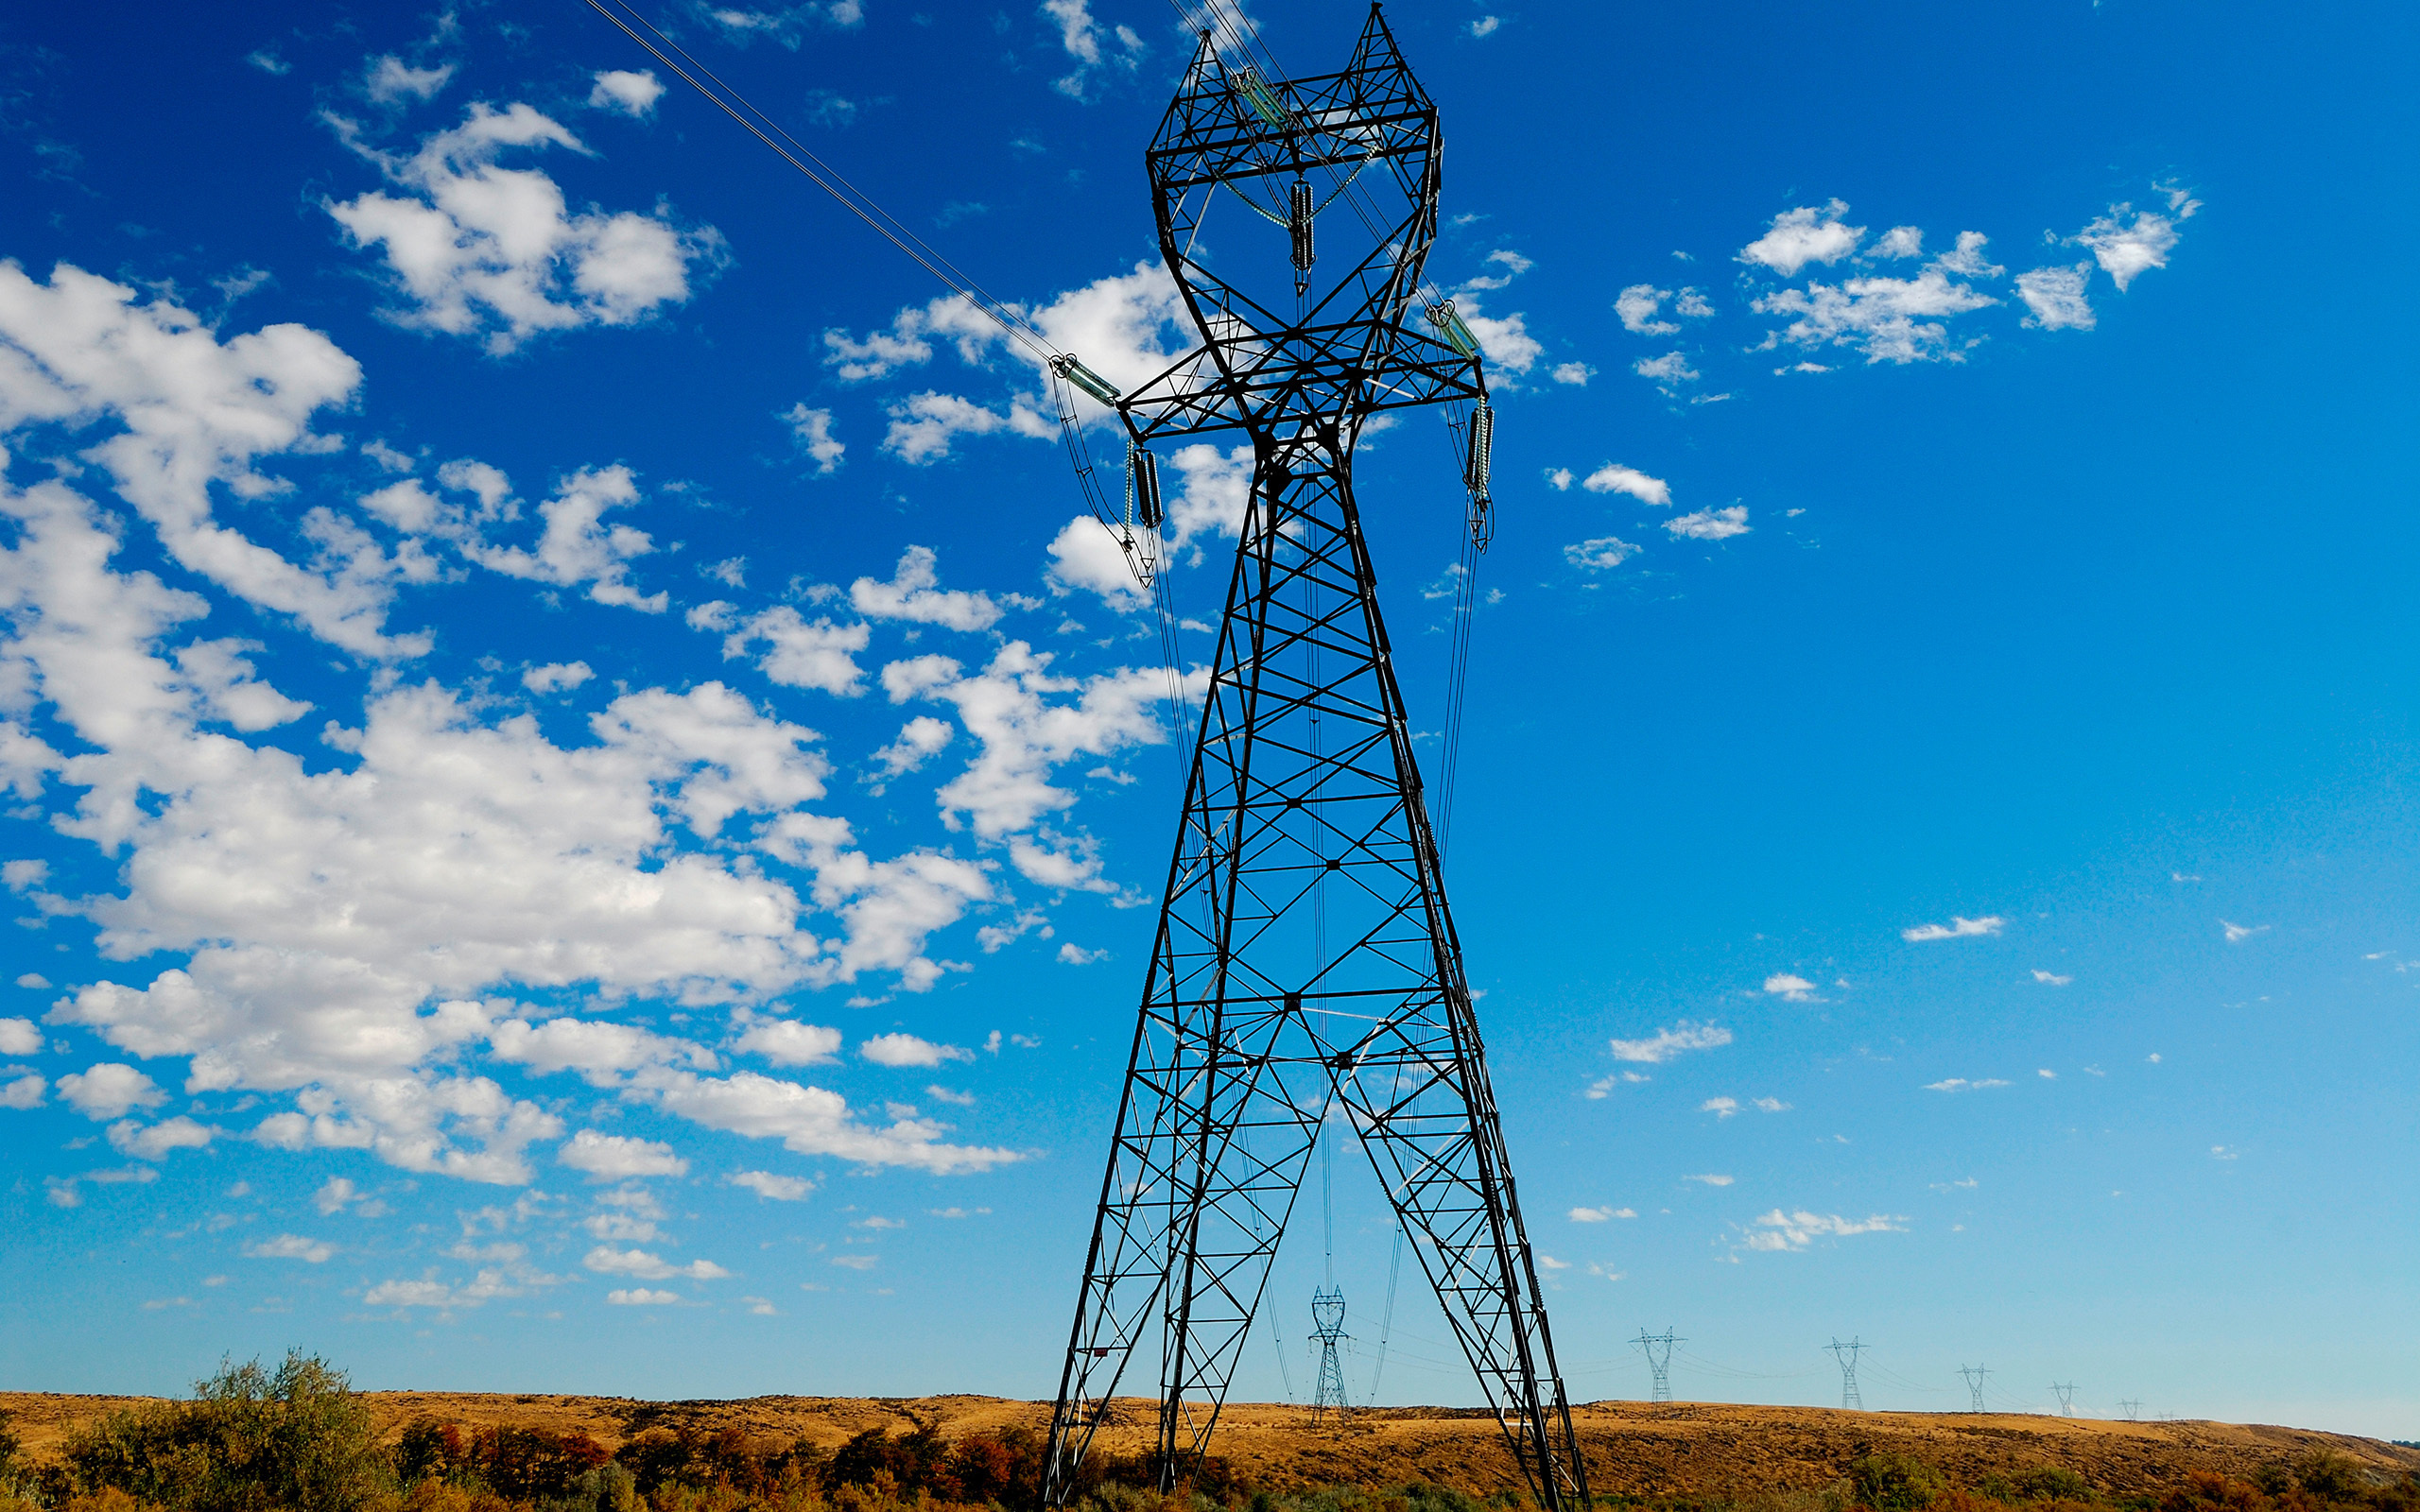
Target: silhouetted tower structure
x,y
1659,1348
2066,1395
1305,949
1846,1354
2132,1407
1327,1328
1974,1385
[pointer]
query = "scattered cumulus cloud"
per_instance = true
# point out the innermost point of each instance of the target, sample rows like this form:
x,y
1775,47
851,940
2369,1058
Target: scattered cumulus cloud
x,y
1955,929
1787,1232
2055,297
1711,1180
1613,478
618,1157
1599,553
1601,1214
109,1089
1665,1044
2050,978
480,251
292,1247
1960,1084
1790,987
2236,935
773,1188
1711,524
907,1050
631,94
1721,1108
1803,235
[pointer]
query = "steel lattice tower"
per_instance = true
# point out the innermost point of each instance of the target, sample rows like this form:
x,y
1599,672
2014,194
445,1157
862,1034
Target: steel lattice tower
x,y
1658,1347
1846,1354
1974,1385
1305,952
1327,1330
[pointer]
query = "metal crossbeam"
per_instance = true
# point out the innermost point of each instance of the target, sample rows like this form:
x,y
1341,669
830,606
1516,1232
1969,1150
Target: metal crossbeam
x,y
1306,957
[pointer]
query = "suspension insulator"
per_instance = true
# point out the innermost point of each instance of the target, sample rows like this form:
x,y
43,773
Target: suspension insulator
x,y
1144,469
1069,366
1482,448
1450,325
1300,222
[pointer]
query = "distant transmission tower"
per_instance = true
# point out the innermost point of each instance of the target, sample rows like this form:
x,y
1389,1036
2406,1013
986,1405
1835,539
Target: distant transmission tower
x,y
1659,1359
2132,1407
2067,1397
1974,1385
1846,1354
1327,1302
1327,1327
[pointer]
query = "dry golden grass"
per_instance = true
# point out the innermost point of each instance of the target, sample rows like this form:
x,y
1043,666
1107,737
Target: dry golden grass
x,y
1684,1450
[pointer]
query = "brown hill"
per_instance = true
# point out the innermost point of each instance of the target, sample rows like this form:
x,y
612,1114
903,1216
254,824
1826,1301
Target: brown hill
x,y
1684,1450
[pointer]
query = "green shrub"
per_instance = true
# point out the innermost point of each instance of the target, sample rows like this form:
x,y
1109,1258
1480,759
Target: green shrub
x,y
294,1439
1894,1483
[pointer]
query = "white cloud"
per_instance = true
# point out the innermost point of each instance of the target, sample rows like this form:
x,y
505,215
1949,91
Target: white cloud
x,y
292,1247
1711,524
640,1264
1890,319
197,412
925,427
482,250
2050,978
2236,934
1599,553
1072,954
1575,374
1559,479
1770,1105
18,1037
1616,478
797,654
618,1157
333,1194
919,739
913,594
601,1052
577,547
1672,368
1005,793
1711,1180
811,1121
2055,296
154,1140
1782,1231
640,1297
109,1089
1719,1107
1803,235
1601,1214
1957,928
1968,260
632,93
1090,44
24,1092
1899,241
556,677
788,1042
511,1279
812,430
1960,1084
1665,1044
391,80
773,1188
2048,1075
1486,26
2125,249
856,1261
1790,987
907,1050
1639,306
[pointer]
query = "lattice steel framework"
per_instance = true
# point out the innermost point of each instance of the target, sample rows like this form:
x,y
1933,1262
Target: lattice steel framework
x,y
1306,955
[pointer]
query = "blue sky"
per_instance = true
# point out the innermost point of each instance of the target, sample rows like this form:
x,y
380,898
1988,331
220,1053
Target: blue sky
x,y
581,817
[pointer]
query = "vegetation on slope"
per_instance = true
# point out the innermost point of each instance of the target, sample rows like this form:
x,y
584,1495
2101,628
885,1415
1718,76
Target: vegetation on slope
x,y
297,1439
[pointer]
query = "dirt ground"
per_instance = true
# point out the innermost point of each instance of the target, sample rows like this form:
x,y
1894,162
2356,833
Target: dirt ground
x,y
1683,1448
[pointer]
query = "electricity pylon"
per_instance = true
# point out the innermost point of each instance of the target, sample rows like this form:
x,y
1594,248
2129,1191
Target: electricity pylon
x,y
1304,821
1974,1385
1327,1328
2066,1395
1659,1348
2132,1407
1846,1354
